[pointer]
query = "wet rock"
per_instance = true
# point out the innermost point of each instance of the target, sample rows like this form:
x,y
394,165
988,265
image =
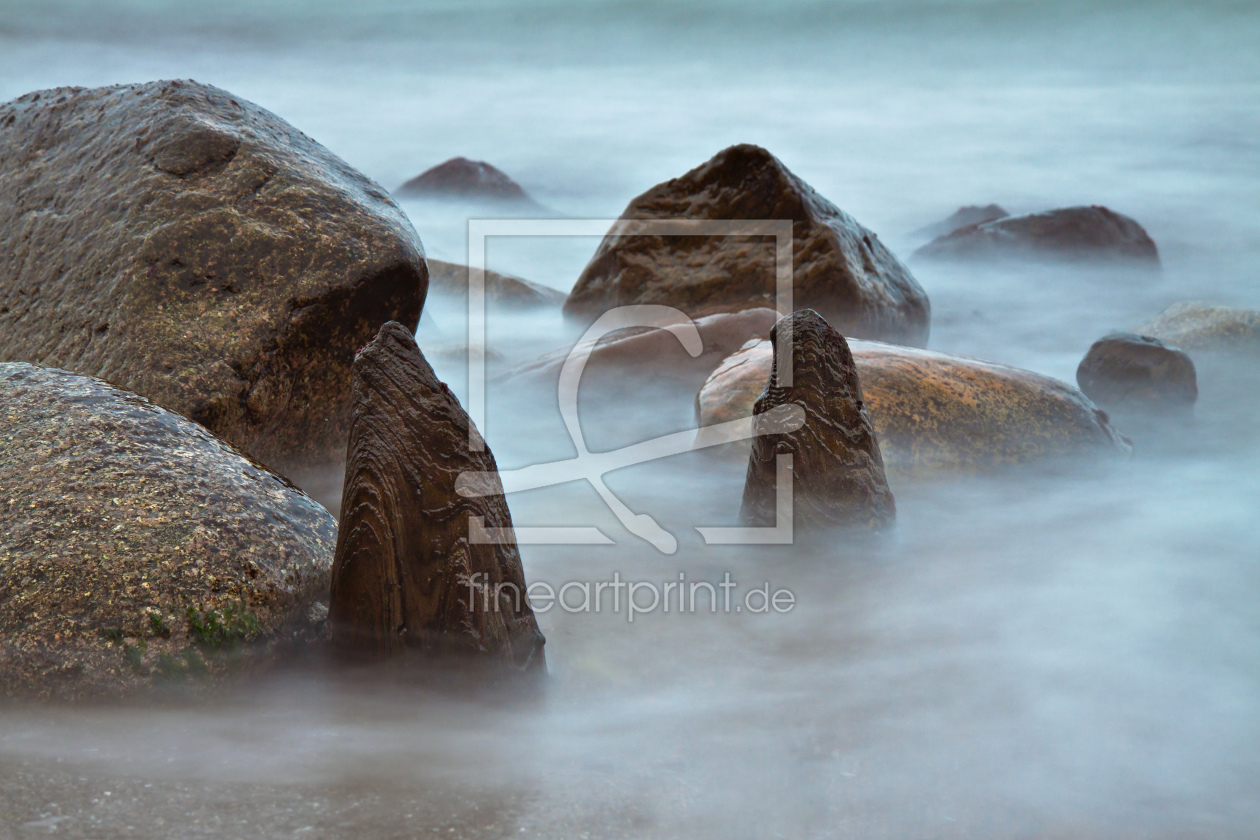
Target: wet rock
x,y
461,178
971,214
1073,233
451,280
407,577
1197,326
934,412
193,247
1126,371
837,471
137,548
841,269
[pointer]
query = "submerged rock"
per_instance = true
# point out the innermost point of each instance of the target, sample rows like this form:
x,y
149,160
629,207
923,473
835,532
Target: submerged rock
x,y
837,471
451,279
971,214
934,412
1124,370
1197,326
193,247
135,547
656,353
408,577
840,268
1082,233
461,178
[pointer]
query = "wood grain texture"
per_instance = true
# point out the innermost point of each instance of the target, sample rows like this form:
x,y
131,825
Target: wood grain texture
x,y
403,572
838,472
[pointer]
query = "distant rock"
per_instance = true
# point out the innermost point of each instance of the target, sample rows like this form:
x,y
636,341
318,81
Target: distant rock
x,y
451,279
1198,326
138,549
962,217
934,412
195,248
1073,233
657,353
408,577
1126,371
837,471
461,178
841,269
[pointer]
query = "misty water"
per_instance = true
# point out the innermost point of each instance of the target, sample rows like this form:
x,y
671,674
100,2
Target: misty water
x,y
1064,650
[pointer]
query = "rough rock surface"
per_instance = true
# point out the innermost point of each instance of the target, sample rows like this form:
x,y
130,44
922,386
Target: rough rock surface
x,y
934,412
404,578
467,179
838,473
192,247
971,214
1197,326
840,268
117,518
1124,370
451,279
1075,233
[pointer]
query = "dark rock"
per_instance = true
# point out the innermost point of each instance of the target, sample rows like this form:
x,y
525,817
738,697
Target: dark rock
x,y
841,269
962,217
1124,370
117,518
837,469
194,248
461,178
1197,326
404,578
938,413
451,279
1074,233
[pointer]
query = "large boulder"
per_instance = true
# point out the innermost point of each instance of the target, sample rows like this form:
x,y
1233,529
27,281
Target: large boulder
x,y
840,268
1197,326
1124,371
502,290
136,547
464,179
837,471
192,247
1072,233
409,577
971,214
934,412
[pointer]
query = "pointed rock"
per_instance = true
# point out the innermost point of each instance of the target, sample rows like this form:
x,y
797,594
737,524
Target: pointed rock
x,y
461,178
840,268
406,577
838,472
